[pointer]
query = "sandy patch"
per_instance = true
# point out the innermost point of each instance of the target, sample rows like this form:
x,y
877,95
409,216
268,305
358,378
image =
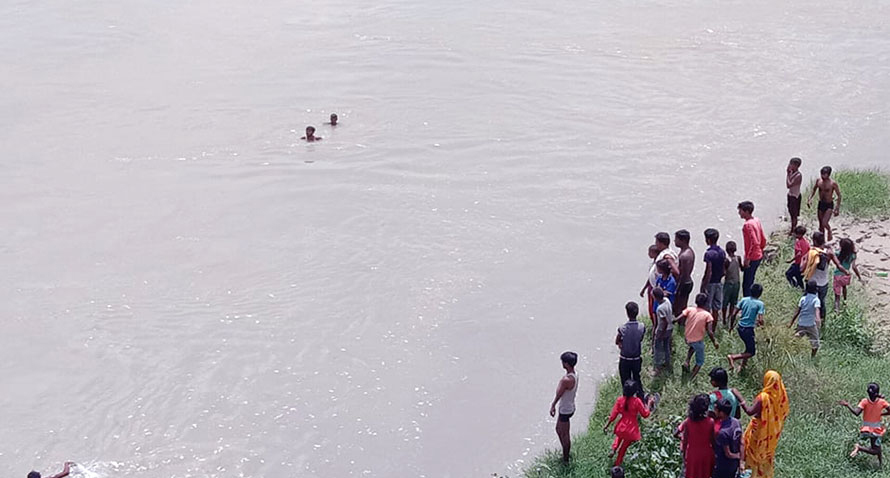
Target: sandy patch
x,y
872,238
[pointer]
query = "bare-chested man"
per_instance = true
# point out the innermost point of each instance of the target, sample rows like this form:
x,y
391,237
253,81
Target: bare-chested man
x,y
686,260
310,135
827,188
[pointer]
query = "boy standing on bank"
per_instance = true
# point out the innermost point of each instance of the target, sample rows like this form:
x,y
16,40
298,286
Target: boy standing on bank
x,y
698,322
630,347
827,188
664,330
755,242
686,259
565,397
711,283
793,179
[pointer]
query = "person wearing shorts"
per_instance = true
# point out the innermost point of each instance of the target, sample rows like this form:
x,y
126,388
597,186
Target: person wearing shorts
x,y
564,402
872,409
732,269
793,180
698,322
711,283
808,316
752,310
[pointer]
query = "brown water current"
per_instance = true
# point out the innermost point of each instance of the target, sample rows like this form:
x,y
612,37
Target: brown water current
x,y
189,290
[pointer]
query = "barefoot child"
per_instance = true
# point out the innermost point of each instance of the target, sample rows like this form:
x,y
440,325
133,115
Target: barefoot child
x,y
793,179
666,281
696,439
815,267
827,188
698,322
752,310
794,274
808,319
731,282
664,331
627,430
872,429
847,258
565,396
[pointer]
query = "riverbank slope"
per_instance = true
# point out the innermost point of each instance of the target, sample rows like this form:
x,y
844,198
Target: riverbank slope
x,y
818,434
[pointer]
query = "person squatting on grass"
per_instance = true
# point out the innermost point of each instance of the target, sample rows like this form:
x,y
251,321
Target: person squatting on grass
x,y
752,310
565,397
698,322
808,319
847,257
627,430
768,411
696,439
872,429
794,274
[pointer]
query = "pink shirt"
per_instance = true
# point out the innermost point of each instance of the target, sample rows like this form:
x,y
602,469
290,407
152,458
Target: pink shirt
x,y
755,239
801,247
696,321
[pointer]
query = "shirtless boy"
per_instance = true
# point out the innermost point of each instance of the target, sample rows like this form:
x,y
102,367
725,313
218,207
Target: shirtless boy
x,y
686,260
827,188
65,472
793,179
333,121
310,135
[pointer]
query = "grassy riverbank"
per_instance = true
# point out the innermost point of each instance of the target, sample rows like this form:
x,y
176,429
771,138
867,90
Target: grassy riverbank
x,y
818,434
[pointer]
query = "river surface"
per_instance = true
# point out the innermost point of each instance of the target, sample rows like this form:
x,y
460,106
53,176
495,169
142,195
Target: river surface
x,y
190,290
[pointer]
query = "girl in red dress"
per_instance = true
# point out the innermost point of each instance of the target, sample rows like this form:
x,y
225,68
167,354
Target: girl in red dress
x,y
627,431
697,437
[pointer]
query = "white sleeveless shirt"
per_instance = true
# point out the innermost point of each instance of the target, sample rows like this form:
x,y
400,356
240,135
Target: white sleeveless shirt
x,y
567,400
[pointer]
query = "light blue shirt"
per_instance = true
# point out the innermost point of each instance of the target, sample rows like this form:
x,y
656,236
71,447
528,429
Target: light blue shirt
x,y
750,308
808,305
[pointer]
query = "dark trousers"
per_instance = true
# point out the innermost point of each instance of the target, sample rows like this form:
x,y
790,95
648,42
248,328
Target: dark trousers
x,y
822,291
630,370
795,278
748,280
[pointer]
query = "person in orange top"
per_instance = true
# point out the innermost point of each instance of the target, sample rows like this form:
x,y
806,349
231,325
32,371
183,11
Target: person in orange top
x,y
872,429
627,431
698,322
768,412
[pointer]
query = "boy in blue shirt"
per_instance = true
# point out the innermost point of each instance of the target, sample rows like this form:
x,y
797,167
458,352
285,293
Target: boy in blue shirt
x,y
808,316
666,281
752,310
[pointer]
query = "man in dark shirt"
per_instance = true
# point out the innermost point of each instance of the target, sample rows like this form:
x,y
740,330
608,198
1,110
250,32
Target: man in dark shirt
x,y
728,441
711,282
630,347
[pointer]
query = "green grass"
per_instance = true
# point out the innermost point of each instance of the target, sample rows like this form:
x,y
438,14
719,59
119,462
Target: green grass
x,y
865,193
818,434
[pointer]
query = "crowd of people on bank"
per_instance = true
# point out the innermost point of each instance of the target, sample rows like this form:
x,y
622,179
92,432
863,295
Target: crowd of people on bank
x,y
711,439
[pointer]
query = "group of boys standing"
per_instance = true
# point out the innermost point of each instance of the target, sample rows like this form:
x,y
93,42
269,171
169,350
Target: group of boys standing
x,y
670,285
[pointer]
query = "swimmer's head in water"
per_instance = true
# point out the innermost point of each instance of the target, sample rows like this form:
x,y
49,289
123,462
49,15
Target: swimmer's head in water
x,y
310,131
34,474
333,119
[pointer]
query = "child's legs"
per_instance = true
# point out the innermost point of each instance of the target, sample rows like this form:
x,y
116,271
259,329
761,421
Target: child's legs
x,y
689,352
622,450
562,431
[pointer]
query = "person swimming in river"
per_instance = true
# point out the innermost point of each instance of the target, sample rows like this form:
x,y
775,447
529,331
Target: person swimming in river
x,y
827,188
310,135
333,121
65,472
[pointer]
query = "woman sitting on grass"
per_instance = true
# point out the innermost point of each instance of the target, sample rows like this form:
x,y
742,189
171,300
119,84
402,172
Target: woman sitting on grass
x,y
768,411
627,431
872,428
696,439
847,257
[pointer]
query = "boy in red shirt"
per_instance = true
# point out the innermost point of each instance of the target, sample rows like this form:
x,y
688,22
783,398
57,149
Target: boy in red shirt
x,y
872,429
755,241
801,248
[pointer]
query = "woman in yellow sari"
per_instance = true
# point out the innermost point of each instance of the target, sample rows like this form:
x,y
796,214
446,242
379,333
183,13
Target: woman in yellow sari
x,y
768,412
